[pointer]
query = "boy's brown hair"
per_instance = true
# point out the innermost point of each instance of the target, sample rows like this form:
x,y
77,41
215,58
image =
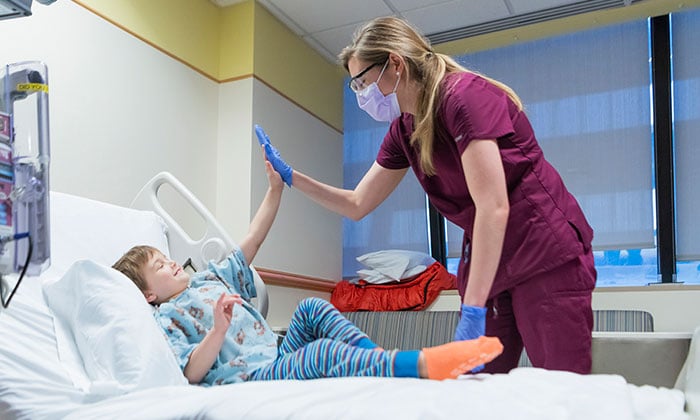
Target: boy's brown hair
x,y
133,262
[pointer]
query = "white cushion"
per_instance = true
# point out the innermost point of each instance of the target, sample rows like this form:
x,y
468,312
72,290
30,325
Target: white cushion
x,y
395,264
101,313
373,276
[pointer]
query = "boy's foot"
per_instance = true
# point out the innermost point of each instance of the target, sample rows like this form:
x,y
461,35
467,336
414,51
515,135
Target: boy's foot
x,y
450,360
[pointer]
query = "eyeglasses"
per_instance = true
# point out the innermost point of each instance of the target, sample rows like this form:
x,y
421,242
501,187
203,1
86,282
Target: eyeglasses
x,y
355,83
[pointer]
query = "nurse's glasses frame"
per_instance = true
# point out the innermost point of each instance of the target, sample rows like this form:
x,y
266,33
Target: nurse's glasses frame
x,y
354,82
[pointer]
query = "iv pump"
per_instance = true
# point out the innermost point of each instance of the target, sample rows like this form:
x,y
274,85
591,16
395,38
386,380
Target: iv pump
x,y
24,174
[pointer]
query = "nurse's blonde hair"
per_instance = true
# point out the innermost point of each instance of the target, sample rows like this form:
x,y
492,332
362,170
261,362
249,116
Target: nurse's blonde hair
x,y
374,42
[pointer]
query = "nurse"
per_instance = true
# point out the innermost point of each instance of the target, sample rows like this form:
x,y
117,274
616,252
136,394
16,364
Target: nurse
x,y
526,274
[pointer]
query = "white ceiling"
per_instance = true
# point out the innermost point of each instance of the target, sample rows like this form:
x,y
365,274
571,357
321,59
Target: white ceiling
x,y
328,25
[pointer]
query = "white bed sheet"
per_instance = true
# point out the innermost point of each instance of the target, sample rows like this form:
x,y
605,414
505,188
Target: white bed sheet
x,y
34,384
525,393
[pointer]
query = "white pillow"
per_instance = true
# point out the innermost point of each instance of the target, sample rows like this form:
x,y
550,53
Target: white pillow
x,y
373,276
84,229
101,313
397,264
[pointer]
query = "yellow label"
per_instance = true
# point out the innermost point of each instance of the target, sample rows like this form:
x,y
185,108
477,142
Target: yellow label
x,y
33,87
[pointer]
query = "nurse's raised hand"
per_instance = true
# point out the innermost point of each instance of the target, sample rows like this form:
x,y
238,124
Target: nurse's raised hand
x,y
263,139
274,157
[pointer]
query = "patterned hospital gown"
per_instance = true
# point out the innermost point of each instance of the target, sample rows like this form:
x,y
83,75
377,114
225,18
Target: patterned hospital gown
x,y
249,344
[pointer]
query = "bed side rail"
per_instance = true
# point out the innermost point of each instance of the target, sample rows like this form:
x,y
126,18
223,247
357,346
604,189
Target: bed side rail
x,y
214,245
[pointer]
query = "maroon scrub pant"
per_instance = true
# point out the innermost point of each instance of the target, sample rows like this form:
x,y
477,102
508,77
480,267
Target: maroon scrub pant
x,y
550,314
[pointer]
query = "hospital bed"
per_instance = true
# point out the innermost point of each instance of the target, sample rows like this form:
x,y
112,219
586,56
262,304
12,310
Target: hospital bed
x,y
79,342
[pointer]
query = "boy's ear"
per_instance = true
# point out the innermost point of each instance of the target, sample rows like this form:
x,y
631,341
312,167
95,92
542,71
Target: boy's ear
x,y
150,296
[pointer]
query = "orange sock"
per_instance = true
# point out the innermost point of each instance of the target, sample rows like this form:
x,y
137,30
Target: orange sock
x,y
450,360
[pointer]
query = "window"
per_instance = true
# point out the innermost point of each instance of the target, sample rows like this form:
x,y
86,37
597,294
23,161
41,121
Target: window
x,y
398,223
685,31
587,97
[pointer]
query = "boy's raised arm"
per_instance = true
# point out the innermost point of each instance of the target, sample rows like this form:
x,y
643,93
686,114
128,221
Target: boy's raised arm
x,y
262,221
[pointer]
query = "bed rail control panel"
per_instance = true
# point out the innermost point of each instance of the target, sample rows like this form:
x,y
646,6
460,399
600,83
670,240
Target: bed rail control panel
x,y
24,170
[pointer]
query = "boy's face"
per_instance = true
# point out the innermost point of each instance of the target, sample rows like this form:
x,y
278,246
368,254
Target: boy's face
x,y
165,278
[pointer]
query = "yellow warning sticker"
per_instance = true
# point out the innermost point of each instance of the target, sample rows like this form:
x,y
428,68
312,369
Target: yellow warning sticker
x,y
33,87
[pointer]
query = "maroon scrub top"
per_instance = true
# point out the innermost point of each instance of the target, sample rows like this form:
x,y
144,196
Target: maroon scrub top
x,y
546,226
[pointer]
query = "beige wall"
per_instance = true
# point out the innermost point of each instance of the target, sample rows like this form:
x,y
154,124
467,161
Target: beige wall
x,y
306,238
233,159
283,302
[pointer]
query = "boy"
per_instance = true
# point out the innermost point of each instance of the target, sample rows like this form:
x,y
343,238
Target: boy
x,y
219,338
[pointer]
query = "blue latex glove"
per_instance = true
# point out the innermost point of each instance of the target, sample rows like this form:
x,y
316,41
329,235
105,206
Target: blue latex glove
x,y
472,324
273,156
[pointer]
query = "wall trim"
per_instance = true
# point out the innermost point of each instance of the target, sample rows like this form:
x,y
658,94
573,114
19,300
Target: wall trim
x,y
655,287
297,281
237,78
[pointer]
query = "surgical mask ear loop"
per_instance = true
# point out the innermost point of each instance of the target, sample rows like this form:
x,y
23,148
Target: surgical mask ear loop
x,y
382,72
398,79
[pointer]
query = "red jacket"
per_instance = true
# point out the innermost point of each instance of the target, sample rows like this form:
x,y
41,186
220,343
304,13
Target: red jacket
x,y
408,295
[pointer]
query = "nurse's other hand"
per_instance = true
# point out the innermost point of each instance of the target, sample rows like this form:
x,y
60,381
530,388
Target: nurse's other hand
x,y
472,324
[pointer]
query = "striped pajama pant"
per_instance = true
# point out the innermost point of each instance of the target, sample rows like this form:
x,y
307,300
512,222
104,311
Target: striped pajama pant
x,y
321,343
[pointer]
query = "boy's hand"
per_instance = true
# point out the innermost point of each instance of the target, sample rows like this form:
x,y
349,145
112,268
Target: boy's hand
x,y
274,156
273,177
223,311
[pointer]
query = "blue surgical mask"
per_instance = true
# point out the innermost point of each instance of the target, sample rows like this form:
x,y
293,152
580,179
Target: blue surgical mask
x,y
380,107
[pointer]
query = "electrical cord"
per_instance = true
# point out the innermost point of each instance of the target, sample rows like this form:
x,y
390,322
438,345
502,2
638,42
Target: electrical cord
x,y
24,269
